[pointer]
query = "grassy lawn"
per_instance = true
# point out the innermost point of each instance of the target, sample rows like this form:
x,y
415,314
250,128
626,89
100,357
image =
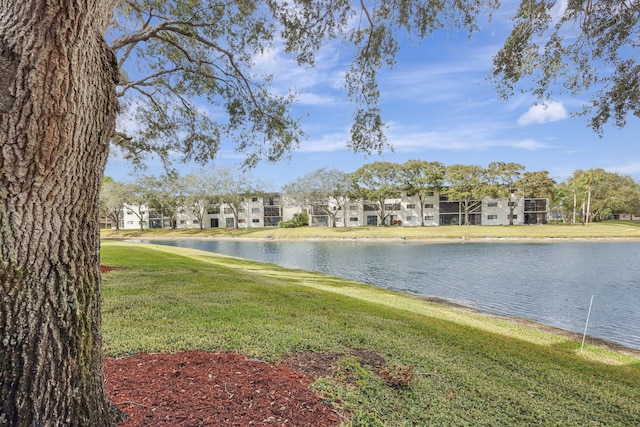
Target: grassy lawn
x,y
609,229
443,366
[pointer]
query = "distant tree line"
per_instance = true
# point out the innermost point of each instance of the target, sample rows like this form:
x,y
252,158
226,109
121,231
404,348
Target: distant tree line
x,y
586,196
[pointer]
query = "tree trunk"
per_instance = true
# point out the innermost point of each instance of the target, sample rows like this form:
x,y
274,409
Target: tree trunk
x,y
57,115
466,212
115,217
586,221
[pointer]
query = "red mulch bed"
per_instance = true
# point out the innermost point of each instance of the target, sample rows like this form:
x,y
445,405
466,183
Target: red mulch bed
x,y
196,388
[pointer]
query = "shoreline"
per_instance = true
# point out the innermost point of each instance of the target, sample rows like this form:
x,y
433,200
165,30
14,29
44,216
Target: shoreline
x,y
595,341
523,321
389,239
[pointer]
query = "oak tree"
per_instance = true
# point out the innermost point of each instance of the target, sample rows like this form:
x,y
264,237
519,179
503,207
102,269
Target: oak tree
x,y
60,81
421,179
113,195
233,188
467,185
377,185
199,194
537,184
602,193
585,48
324,190
163,195
503,179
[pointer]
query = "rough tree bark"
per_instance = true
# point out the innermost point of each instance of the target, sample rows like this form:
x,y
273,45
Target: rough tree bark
x,y
57,114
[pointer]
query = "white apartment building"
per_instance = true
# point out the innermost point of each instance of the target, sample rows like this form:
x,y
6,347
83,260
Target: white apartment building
x,y
405,211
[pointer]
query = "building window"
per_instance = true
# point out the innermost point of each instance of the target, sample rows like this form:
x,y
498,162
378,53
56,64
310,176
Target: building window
x,y
273,201
353,208
213,210
539,205
228,211
183,221
129,222
319,210
254,199
429,206
410,218
195,221
411,206
272,221
429,217
241,221
271,211
492,204
514,216
353,219
430,194
255,210
255,221
492,216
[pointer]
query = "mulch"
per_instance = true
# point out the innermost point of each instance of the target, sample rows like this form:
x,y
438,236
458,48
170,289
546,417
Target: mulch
x,y
196,388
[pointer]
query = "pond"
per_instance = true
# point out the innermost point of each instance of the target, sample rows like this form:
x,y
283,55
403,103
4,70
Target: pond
x,y
551,283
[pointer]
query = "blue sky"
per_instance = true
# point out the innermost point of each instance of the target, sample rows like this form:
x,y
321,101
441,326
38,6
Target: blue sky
x,y
440,106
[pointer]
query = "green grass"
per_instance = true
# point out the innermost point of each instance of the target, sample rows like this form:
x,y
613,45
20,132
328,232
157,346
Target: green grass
x,y
609,229
467,369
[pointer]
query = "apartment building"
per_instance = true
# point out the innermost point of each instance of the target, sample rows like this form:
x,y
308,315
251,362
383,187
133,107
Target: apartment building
x,y
406,211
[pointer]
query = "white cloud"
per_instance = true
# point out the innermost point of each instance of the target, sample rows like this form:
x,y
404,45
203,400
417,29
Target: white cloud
x,y
336,141
126,122
628,169
543,113
557,11
529,144
458,142
287,75
411,139
316,99
473,136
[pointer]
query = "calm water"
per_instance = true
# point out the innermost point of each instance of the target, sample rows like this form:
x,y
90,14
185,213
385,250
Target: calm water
x,y
548,282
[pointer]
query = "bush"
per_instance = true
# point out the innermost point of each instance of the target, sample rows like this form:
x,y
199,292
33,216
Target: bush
x,y
298,220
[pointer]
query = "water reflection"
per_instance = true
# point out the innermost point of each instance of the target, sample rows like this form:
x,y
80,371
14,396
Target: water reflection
x,y
547,282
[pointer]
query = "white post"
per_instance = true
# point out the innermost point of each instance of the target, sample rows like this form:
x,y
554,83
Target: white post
x,y
584,335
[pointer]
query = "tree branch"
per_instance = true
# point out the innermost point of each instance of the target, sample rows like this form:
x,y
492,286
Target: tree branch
x,y
145,81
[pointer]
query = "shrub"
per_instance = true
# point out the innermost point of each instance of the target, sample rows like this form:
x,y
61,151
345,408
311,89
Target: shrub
x,y
298,220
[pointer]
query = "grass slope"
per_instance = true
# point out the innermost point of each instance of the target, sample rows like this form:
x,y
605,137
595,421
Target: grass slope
x,y
455,368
